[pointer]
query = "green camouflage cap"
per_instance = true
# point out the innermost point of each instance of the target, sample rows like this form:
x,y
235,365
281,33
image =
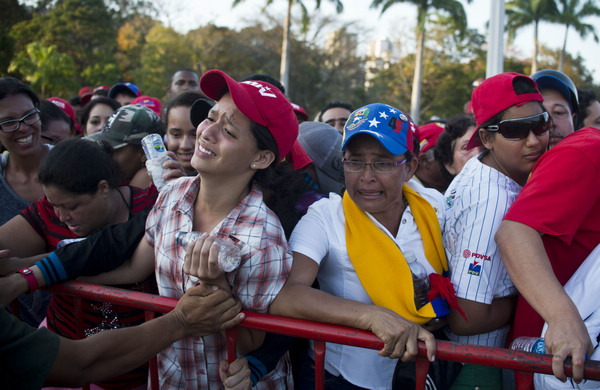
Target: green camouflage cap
x,y
128,125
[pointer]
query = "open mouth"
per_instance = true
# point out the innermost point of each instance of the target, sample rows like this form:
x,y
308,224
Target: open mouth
x,y
24,140
205,151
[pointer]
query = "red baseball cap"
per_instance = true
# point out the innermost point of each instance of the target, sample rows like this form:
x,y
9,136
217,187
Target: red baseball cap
x,y
85,94
101,88
148,101
428,135
67,109
299,111
495,95
260,101
298,156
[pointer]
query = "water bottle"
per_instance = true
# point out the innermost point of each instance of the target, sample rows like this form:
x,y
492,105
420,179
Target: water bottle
x,y
155,151
529,344
420,279
229,249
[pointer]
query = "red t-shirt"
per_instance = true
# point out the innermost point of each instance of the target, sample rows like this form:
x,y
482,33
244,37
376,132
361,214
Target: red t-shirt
x,y
97,316
562,201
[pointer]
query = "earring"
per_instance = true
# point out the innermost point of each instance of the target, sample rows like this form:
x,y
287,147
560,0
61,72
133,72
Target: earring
x,y
254,166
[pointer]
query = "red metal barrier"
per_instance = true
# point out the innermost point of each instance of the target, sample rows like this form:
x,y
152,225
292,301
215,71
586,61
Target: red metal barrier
x,y
524,363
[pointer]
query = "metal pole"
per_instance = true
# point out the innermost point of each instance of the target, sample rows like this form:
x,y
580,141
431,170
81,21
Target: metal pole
x,y
495,53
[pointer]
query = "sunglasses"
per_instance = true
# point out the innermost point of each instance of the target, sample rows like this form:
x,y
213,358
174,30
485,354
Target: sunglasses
x,y
519,128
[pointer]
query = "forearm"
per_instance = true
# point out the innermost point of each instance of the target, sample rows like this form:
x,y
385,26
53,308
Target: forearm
x,y
481,317
11,287
136,269
8,266
249,340
127,273
103,251
112,352
302,301
524,257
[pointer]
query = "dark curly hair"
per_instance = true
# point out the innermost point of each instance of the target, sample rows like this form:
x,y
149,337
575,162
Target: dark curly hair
x,y
586,98
78,165
184,99
10,86
281,185
334,104
85,114
443,150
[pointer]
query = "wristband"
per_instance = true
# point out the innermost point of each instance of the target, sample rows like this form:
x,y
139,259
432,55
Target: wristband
x,y
30,278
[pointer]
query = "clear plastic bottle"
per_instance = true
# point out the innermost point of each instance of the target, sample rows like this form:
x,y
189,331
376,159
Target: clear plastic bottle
x,y
420,279
155,151
529,344
229,250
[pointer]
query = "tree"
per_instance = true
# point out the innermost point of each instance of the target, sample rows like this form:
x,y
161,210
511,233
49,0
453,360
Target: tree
x,y
12,13
451,61
131,40
572,14
457,16
49,72
521,13
85,30
165,51
285,51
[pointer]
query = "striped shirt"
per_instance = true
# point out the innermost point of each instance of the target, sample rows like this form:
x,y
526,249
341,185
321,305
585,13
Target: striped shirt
x,y
193,363
476,201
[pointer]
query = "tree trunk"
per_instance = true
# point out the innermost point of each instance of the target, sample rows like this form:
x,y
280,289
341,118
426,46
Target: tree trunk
x,y
535,47
563,52
284,70
415,98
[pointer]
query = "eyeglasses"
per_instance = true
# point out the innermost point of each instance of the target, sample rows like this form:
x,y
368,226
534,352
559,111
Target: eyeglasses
x,y
519,128
14,124
377,167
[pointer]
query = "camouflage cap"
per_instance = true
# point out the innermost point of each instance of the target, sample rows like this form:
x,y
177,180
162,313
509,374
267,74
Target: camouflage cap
x,y
128,125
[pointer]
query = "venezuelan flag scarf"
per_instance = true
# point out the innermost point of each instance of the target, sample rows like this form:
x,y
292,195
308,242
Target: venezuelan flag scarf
x,y
380,265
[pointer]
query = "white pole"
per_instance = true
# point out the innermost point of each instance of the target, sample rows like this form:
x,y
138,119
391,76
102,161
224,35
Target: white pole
x,y
495,53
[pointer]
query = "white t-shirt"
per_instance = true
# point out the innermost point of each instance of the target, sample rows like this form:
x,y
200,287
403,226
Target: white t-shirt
x,y
583,289
321,236
476,201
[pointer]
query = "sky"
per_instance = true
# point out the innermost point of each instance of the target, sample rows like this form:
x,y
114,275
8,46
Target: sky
x,y
184,16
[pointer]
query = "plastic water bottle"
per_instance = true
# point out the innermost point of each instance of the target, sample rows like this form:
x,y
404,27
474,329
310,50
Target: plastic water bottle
x,y
155,151
529,344
420,279
229,249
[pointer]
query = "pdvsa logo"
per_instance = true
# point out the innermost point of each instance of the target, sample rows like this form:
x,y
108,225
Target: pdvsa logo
x,y
467,253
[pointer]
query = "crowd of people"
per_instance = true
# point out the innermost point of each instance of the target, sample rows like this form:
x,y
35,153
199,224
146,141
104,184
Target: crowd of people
x,y
324,220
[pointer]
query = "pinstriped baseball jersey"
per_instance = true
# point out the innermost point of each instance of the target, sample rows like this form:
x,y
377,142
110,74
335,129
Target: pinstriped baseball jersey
x,y
476,201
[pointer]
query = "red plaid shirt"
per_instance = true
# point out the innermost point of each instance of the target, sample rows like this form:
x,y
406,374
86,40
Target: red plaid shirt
x,y
193,363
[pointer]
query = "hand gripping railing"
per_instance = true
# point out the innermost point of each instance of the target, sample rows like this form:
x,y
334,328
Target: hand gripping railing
x,y
524,363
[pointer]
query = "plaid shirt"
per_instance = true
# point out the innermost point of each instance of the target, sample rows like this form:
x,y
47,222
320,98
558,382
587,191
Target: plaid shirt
x,y
193,363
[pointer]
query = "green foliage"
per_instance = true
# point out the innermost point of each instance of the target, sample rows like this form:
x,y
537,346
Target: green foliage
x,y
574,67
12,13
49,72
98,74
451,62
522,13
165,51
131,40
85,30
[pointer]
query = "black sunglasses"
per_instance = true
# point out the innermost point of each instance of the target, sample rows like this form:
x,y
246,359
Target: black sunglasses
x,y
519,128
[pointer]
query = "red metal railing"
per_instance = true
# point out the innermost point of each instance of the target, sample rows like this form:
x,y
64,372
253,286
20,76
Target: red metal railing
x,y
524,363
